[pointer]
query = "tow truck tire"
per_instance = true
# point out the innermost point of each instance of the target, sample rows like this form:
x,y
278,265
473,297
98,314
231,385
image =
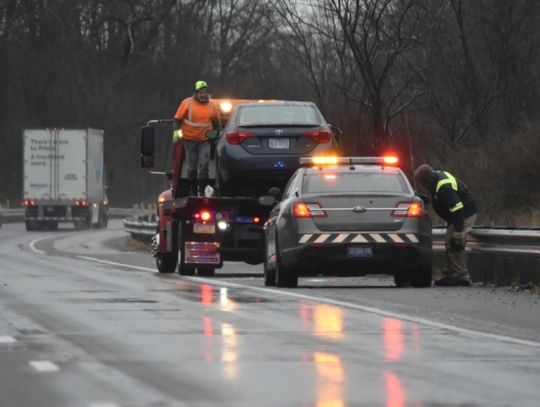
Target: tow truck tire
x,y
206,271
422,276
31,225
285,277
166,262
184,270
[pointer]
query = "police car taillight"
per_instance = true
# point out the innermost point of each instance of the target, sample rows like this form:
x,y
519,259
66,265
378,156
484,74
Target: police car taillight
x,y
308,210
409,210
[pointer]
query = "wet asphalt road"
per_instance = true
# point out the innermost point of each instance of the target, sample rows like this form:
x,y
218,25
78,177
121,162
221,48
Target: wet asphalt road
x,y
86,321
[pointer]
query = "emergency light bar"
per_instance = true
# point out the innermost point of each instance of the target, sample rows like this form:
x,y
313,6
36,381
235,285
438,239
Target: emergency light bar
x,y
333,160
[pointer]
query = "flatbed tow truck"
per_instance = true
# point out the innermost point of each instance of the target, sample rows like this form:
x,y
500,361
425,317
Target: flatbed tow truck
x,y
199,233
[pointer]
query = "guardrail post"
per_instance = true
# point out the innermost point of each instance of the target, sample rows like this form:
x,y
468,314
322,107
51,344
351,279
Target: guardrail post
x,y
135,215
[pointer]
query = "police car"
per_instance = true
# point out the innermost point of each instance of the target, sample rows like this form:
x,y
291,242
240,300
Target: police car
x,y
348,216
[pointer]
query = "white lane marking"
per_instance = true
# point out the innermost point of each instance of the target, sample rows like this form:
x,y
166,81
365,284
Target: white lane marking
x,y
350,305
44,366
341,238
113,263
378,238
412,238
304,239
103,404
395,238
33,244
322,238
7,339
359,239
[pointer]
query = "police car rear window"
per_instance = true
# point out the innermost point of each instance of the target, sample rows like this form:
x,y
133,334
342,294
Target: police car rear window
x,y
325,182
282,115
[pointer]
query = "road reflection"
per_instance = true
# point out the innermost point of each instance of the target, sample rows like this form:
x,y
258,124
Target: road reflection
x,y
229,351
395,394
325,320
393,339
330,378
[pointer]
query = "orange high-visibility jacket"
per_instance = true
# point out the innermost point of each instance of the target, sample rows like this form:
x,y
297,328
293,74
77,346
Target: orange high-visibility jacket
x,y
196,118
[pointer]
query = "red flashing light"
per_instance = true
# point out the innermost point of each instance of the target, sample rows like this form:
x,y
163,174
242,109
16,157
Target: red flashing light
x,y
204,215
29,202
238,137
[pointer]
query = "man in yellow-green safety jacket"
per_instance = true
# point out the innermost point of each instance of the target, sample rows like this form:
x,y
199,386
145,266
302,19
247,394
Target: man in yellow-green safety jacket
x,y
454,202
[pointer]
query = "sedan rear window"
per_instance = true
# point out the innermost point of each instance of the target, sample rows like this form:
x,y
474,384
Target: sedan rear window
x,y
354,183
282,115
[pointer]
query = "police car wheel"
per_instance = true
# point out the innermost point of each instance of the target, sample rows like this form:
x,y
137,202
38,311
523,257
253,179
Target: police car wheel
x,y
285,277
401,279
269,274
422,276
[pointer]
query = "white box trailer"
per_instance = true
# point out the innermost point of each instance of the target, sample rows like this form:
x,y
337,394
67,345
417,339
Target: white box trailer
x,y
64,178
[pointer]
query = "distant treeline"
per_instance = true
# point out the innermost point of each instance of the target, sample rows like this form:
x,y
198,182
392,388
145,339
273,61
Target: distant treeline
x,y
452,82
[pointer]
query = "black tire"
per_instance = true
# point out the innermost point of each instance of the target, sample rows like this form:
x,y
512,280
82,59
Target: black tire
x,y
401,279
206,271
31,225
285,277
185,270
269,274
422,276
166,262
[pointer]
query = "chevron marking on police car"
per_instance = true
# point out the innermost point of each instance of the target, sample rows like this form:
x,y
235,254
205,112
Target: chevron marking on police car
x,y
305,239
337,238
322,238
395,238
359,239
412,238
378,238
340,238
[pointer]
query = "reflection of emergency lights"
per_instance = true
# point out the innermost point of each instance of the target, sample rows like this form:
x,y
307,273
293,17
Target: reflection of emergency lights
x,y
328,321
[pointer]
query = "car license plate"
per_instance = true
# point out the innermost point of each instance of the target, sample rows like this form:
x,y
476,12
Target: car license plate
x,y
360,251
278,143
204,228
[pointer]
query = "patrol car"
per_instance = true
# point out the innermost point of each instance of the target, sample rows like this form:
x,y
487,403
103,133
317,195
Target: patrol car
x,y
348,216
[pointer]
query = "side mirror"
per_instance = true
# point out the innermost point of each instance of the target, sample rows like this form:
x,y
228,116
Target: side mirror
x,y
267,200
212,134
147,147
336,130
276,193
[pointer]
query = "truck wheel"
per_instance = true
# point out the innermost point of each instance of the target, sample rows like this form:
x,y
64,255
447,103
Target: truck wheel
x,y
184,270
166,262
422,276
285,277
206,271
31,225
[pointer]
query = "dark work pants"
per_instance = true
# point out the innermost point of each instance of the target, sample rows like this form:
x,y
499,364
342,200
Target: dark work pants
x,y
197,159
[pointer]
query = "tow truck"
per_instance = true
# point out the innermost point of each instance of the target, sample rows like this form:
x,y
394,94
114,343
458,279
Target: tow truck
x,y
199,233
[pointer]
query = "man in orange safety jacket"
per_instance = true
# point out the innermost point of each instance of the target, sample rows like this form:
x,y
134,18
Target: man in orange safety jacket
x,y
195,116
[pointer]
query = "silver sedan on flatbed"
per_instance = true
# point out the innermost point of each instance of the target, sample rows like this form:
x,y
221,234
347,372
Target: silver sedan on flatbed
x,y
348,216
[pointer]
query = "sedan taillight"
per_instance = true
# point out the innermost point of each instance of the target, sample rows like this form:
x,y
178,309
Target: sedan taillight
x,y
238,137
409,210
308,210
319,136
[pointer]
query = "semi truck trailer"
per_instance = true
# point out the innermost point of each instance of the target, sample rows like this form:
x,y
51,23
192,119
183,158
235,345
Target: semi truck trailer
x,y
64,178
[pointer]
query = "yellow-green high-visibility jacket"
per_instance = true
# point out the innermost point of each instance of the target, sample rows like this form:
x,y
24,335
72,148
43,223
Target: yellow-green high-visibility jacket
x,y
452,199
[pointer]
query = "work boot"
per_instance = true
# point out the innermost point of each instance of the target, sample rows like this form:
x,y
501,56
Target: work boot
x,y
202,183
